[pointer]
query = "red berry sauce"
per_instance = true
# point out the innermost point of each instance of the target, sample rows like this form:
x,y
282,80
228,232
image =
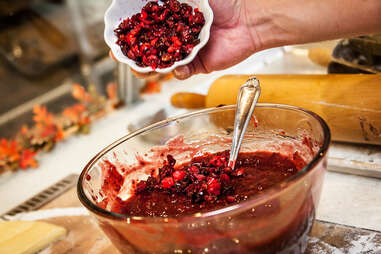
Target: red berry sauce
x,y
160,34
204,184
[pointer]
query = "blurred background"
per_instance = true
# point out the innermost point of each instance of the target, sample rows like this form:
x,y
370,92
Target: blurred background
x,y
48,45
45,47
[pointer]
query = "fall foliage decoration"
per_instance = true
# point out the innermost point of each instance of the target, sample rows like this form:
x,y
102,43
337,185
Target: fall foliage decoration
x,y
48,129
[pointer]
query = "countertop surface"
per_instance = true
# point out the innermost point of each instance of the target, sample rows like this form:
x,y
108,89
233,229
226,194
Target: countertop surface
x,y
85,236
346,199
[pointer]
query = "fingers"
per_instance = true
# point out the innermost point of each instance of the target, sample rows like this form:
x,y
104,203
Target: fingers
x,y
186,71
112,56
147,75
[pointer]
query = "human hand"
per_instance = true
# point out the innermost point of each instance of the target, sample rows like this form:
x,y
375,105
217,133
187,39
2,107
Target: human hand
x,y
230,42
243,27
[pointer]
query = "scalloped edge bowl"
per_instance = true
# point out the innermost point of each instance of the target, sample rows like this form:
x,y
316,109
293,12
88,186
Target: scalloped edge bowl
x,y
121,9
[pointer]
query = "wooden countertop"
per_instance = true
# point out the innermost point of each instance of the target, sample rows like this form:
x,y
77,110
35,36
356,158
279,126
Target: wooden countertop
x,y
84,236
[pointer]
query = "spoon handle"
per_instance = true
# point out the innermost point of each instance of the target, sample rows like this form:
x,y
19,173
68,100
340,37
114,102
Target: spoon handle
x,y
247,99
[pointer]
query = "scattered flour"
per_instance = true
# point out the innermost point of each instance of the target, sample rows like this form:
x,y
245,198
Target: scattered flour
x,y
316,246
364,244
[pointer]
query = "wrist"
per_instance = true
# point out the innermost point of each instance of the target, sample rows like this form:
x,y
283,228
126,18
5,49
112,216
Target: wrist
x,y
263,25
254,27
275,23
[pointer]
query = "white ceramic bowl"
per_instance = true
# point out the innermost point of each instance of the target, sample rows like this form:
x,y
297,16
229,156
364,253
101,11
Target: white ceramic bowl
x,y
122,9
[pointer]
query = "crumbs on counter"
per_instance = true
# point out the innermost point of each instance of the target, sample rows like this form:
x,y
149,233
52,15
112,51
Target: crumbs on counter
x,y
48,129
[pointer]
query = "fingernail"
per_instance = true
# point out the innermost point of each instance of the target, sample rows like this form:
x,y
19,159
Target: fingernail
x,y
182,72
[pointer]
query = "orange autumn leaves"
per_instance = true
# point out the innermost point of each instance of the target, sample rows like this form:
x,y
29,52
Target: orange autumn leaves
x,y
48,129
41,115
12,156
77,113
27,159
45,125
80,93
9,149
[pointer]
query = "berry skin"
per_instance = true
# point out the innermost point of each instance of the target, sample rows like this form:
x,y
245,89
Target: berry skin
x,y
194,169
167,182
224,178
214,187
240,172
179,175
230,199
160,35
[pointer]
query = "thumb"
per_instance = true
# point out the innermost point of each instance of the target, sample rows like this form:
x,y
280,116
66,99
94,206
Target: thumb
x,y
186,71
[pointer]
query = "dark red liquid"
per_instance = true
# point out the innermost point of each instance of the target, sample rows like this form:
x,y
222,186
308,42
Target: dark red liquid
x,y
204,184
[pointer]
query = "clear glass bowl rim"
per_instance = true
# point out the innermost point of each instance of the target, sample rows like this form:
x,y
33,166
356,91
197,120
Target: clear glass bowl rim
x,y
208,215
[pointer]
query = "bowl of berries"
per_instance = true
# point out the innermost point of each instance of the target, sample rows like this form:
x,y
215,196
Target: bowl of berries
x,y
157,35
180,196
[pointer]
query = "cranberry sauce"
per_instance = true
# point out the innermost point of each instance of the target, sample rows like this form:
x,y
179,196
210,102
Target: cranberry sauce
x,y
204,184
160,34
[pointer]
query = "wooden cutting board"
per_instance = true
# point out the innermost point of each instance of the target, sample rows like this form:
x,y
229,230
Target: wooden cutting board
x,y
84,236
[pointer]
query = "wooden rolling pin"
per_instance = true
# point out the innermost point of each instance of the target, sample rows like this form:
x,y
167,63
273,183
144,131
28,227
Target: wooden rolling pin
x,y
350,104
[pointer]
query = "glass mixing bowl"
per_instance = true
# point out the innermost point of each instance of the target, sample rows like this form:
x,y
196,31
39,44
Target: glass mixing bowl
x,y
276,221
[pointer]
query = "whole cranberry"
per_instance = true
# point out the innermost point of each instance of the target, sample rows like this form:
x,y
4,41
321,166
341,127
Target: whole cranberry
x,y
194,169
199,177
179,175
174,5
185,10
167,182
224,178
228,170
230,199
214,187
198,19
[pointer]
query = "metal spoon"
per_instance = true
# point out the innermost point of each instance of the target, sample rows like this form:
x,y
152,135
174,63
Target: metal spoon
x,y
247,99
